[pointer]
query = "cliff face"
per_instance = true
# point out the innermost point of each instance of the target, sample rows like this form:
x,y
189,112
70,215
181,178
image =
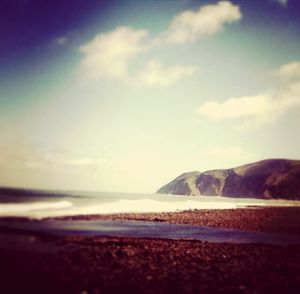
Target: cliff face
x,y
268,179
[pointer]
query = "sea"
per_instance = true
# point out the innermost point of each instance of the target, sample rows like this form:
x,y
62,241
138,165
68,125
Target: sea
x,y
39,204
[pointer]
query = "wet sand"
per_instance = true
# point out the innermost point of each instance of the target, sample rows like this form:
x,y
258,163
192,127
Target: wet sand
x,y
32,263
270,219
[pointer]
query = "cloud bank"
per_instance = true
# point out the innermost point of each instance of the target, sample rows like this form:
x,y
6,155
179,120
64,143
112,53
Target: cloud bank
x,y
109,55
190,26
262,108
154,74
289,71
282,2
236,107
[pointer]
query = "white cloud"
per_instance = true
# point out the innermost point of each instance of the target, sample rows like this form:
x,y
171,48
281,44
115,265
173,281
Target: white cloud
x,y
189,25
61,40
262,108
282,2
154,74
108,55
289,71
236,107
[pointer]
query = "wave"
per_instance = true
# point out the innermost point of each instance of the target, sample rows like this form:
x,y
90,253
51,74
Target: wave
x,y
18,209
145,205
150,205
65,208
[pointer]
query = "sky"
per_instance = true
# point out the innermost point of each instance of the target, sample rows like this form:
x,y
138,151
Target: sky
x,y
124,96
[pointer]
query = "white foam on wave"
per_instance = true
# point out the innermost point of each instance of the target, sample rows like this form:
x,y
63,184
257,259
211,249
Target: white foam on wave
x,y
145,205
150,205
24,209
124,206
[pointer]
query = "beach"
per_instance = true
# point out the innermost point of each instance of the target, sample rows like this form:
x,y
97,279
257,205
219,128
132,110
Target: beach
x,y
41,263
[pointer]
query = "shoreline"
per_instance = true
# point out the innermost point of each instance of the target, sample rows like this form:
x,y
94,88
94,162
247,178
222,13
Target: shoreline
x,y
256,219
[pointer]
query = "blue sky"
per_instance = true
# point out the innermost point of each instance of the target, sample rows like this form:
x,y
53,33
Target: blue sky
x,y
126,95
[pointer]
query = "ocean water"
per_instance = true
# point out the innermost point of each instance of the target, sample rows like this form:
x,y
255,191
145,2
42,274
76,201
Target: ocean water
x,y
41,204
